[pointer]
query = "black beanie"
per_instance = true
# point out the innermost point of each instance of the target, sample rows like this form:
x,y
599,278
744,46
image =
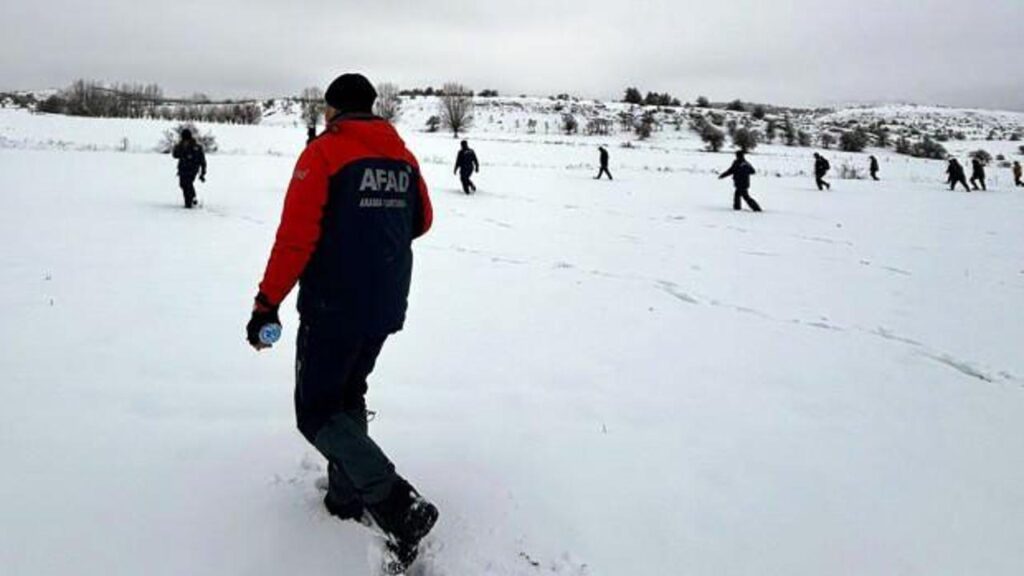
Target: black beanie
x,y
351,93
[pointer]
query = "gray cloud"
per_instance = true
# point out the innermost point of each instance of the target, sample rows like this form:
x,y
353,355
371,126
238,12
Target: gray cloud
x,y
790,51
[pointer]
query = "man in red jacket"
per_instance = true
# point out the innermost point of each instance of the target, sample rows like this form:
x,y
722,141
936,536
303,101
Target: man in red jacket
x,y
356,201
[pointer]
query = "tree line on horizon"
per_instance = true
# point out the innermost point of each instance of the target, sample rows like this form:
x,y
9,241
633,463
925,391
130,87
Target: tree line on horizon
x,y
713,123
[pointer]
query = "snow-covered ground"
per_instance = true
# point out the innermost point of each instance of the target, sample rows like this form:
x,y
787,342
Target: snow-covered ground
x,y
596,378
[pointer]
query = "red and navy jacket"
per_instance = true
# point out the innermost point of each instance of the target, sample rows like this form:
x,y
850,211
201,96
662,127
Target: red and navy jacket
x,y
355,203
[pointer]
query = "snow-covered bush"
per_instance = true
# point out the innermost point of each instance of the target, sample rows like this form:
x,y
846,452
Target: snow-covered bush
x,y
633,96
598,126
881,134
746,139
173,136
646,126
389,102
848,171
455,108
855,140
982,155
569,124
712,137
926,148
312,100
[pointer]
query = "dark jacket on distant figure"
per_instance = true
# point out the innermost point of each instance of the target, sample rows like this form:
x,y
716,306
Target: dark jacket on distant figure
x,y
874,165
604,157
741,171
955,172
466,162
191,159
821,166
977,169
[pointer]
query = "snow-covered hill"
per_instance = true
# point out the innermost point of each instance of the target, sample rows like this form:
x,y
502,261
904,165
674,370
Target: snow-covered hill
x,y
597,378
528,117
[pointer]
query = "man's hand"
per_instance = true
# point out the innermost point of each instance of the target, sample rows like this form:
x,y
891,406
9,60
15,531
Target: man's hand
x,y
263,313
202,177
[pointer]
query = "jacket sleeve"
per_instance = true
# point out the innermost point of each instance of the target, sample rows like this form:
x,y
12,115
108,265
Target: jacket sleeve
x,y
299,231
202,159
425,216
476,163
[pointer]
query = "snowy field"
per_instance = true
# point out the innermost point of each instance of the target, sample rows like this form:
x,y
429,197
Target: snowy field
x,y
596,379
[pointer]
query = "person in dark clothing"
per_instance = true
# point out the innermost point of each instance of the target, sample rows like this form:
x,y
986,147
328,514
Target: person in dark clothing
x,y
356,201
956,174
604,163
466,165
1018,174
874,168
741,171
191,162
978,173
821,168
310,134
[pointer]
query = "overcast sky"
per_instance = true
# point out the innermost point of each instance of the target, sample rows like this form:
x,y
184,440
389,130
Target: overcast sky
x,y
800,52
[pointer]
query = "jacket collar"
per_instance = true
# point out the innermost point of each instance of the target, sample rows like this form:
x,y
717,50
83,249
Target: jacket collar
x,y
352,116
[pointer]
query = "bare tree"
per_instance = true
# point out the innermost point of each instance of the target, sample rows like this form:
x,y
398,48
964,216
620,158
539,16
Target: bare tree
x,y
456,108
389,102
312,99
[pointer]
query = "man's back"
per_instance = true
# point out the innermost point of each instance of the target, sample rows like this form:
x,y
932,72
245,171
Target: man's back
x,y
741,173
356,202
190,156
821,165
467,161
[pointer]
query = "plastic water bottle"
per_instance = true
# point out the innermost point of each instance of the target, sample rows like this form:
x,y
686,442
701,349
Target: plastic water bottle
x,y
270,334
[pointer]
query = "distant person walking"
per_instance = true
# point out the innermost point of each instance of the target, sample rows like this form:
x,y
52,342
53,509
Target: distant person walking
x,y
310,135
741,171
191,162
821,168
956,174
874,168
1018,174
466,165
978,173
604,163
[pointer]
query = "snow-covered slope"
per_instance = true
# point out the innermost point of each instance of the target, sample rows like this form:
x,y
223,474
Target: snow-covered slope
x,y
596,378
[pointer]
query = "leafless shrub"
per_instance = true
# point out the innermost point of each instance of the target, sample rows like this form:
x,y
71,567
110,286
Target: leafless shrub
x,y
389,102
456,108
312,99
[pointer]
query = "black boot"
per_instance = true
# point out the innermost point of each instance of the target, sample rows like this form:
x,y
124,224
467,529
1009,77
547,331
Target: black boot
x,y
350,510
405,517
